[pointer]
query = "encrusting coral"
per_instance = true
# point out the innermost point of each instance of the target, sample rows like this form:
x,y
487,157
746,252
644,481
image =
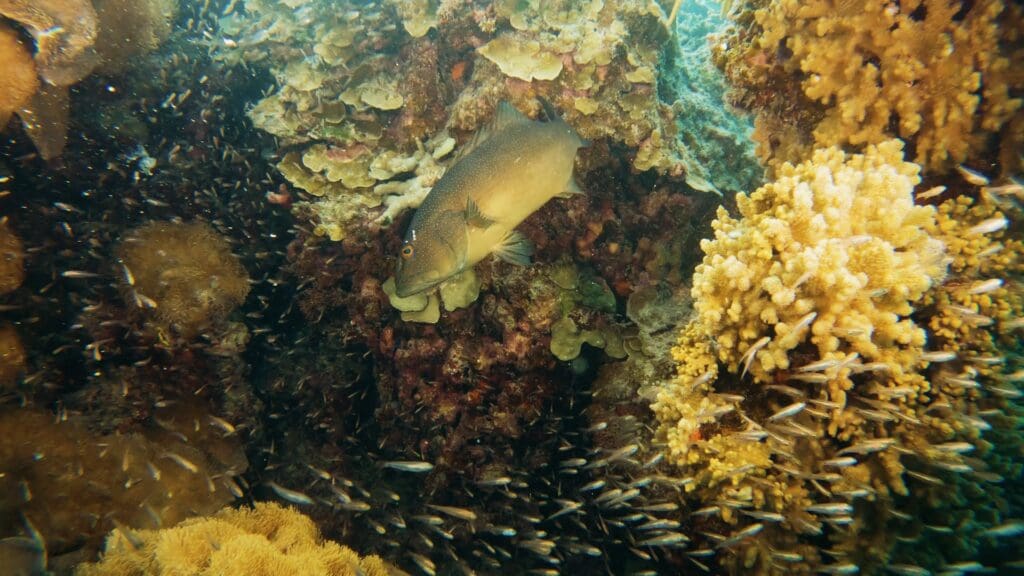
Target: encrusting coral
x,y
266,540
937,74
844,350
184,273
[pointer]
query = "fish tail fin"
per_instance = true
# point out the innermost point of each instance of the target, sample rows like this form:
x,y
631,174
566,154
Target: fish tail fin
x,y
551,115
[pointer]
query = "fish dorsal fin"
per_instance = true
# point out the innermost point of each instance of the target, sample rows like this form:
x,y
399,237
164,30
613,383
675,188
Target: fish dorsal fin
x,y
504,117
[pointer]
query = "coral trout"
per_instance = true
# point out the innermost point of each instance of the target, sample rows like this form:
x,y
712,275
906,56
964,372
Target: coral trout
x,y
507,172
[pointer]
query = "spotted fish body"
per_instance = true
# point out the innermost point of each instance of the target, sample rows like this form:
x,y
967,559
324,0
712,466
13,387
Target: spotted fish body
x,y
505,174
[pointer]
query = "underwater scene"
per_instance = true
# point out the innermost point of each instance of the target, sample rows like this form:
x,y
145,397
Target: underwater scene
x,y
511,287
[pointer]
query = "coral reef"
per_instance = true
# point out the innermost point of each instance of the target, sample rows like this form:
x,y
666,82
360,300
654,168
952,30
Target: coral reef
x,y
354,101
265,540
76,485
843,360
937,74
184,273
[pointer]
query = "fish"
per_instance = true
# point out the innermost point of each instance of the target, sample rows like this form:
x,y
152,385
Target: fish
x,y
830,508
908,570
930,193
938,356
409,466
1007,530
989,226
748,356
740,535
788,411
507,172
986,286
972,176
293,496
455,512
24,556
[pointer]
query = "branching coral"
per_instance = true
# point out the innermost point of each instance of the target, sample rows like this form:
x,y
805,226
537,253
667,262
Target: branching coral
x,y
935,73
832,358
263,541
186,273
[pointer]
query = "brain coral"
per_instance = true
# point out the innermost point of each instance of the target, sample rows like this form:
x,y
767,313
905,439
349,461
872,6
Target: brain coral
x,y
267,540
186,273
935,73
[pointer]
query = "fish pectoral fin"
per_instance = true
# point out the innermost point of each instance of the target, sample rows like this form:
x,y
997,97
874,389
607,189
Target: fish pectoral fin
x,y
571,189
476,218
515,249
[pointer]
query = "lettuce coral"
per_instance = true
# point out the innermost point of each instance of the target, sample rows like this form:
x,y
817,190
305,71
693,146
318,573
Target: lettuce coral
x,y
266,540
845,340
936,73
185,272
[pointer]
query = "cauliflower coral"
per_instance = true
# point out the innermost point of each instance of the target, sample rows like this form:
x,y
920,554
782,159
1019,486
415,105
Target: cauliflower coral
x,y
936,73
845,342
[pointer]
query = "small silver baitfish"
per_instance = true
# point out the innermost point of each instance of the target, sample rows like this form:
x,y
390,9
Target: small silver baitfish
x,y
507,172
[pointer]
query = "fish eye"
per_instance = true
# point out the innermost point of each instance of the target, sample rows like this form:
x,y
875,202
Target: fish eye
x,y
407,251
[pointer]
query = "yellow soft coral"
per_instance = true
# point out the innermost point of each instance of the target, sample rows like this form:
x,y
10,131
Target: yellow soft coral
x,y
842,334
933,72
267,540
837,237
